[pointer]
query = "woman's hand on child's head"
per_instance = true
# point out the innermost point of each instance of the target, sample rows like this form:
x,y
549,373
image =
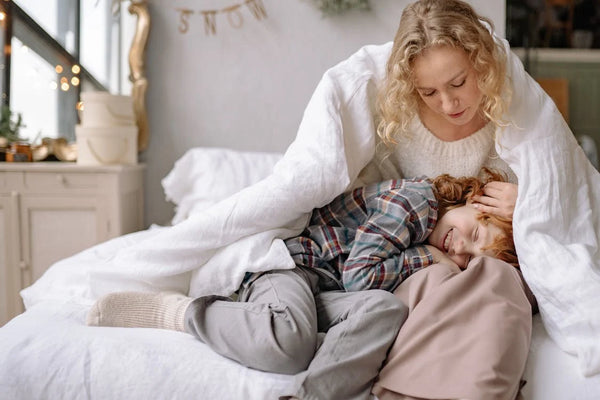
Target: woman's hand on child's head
x,y
499,198
439,257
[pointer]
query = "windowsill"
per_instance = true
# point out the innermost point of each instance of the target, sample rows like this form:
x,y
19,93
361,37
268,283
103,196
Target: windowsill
x,y
560,55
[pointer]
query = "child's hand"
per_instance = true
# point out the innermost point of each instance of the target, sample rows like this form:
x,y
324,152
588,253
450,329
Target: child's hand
x,y
439,257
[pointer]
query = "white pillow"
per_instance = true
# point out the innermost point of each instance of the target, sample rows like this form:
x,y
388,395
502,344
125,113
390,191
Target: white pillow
x,y
205,175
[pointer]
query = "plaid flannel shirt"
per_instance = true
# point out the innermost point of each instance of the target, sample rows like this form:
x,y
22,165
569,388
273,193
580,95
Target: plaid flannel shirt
x,y
371,237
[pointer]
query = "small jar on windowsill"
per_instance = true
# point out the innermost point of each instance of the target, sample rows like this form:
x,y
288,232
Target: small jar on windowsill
x,y
3,148
19,152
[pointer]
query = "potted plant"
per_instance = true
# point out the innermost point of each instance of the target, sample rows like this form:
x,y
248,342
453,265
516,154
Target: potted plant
x,y
9,129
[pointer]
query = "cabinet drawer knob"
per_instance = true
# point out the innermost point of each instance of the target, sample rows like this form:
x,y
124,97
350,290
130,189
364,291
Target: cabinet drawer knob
x,y
22,265
61,179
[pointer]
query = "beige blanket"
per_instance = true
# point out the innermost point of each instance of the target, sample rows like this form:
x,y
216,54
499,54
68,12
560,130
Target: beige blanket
x,y
467,335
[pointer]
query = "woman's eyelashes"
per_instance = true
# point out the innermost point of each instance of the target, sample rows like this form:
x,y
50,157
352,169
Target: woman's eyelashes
x,y
429,93
457,85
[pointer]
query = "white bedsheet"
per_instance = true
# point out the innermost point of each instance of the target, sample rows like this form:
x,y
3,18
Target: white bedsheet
x,y
556,220
552,374
48,353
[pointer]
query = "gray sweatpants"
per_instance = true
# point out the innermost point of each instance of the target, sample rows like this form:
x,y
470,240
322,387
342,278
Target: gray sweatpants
x,y
274,327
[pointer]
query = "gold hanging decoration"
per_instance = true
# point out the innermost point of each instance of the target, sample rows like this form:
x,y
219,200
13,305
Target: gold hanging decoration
x,y
233,14
138,70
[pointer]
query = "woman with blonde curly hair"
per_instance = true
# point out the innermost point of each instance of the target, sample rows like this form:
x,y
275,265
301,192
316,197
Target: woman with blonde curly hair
x,y
444,96
427,26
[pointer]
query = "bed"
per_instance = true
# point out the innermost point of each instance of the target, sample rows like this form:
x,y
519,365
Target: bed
x,y
48,352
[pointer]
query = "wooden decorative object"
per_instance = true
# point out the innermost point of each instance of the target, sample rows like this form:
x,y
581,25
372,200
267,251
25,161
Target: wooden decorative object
x,y
137,70
558,90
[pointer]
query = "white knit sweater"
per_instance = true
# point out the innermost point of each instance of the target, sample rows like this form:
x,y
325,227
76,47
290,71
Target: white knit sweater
x,y
425,154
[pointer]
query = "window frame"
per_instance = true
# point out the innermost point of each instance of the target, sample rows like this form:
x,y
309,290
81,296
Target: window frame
x,y
18,23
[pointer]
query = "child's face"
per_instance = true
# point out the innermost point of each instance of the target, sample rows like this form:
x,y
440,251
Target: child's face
x,y
462,236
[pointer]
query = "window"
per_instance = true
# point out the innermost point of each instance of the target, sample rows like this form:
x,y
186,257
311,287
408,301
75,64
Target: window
x,y
553,23
53,50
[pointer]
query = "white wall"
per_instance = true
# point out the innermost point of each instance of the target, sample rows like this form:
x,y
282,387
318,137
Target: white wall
x,y
246,88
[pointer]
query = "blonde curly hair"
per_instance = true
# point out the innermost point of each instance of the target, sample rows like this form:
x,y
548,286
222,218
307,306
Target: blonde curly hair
x,y
428,23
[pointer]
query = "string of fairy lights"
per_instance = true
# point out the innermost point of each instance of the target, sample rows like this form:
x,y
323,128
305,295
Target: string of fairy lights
x,y
65,82
67,77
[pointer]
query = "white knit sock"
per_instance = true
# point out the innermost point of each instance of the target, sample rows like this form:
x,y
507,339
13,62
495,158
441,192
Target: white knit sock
x,y
140,310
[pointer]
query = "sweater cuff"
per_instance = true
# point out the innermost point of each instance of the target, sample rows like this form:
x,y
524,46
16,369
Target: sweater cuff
x,y
416,258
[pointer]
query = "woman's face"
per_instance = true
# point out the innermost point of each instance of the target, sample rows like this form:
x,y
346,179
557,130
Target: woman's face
x,y
447,84
462,235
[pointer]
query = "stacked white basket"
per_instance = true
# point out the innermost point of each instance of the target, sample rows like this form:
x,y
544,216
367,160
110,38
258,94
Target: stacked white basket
x,y
107,133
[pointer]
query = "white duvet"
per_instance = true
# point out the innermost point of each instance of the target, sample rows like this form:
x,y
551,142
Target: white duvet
x,y
556,218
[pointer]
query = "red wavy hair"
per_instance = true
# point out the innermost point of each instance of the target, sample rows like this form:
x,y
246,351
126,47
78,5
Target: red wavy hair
x,y
452,192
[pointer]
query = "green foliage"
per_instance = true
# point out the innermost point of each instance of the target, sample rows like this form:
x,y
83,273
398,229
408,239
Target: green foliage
x,y
9,127
332,7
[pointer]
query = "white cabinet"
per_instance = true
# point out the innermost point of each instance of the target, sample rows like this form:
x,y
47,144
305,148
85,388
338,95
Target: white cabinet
x,y
49,211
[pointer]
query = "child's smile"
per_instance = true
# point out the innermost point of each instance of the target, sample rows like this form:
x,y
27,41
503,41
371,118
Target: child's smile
x,y
463,235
